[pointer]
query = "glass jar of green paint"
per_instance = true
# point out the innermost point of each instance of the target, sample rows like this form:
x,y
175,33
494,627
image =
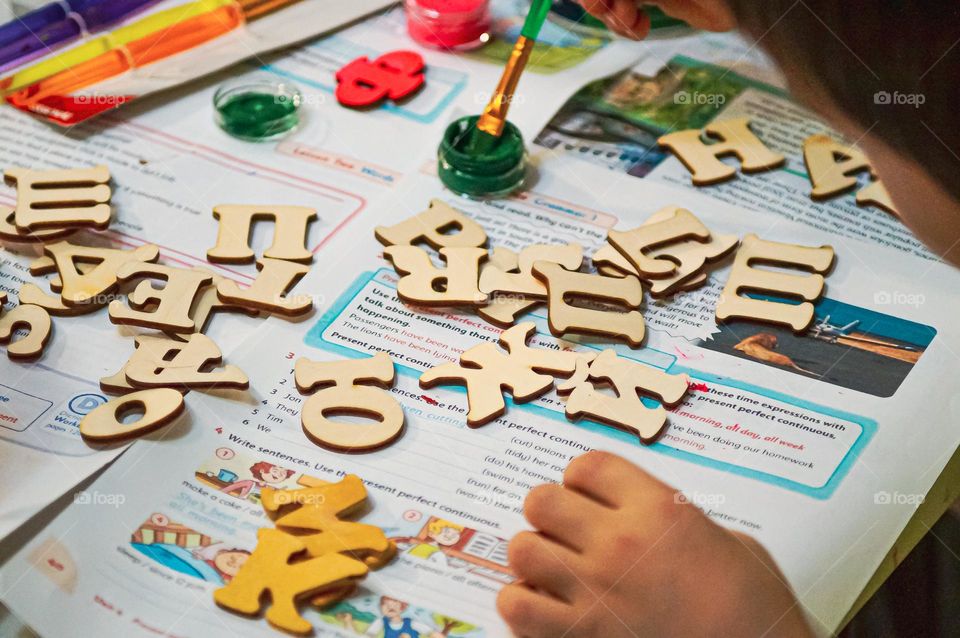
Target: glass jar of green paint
x,y
490,170
258,108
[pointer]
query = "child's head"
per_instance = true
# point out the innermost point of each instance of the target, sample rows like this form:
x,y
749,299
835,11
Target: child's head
x,y
881,73
269,473
444,532
391,607
229,561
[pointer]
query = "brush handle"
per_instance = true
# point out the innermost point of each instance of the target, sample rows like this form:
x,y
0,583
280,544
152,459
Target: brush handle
x,y
535,18
494,117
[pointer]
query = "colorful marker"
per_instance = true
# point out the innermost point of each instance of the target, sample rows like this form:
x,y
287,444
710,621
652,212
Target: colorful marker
x,y
157,22
56,24
152,39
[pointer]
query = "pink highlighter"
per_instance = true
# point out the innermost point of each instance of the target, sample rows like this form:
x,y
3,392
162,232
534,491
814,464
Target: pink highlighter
x,y
449,24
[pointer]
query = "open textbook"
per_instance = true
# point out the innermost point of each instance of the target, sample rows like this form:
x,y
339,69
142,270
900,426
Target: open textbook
x,y
822,454
171,165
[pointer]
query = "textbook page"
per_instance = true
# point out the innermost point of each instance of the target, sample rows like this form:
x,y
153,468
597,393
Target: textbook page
x,y
170,166
822,452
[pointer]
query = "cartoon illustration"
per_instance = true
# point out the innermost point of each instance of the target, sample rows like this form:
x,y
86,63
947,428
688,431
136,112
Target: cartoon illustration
x,y
187,551
225,471
225,559
455,546
397,619
442,534
263,474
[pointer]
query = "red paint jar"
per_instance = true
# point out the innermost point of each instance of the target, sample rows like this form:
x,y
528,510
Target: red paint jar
x,y
449,24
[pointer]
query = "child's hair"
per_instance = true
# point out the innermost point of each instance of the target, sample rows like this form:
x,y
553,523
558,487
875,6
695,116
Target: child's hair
x,y
258,470
403,605
437,525
890,66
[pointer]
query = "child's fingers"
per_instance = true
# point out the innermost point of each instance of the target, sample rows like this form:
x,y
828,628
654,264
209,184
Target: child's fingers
x,y
612,480
627,19
562,514
544,564
596,8
534,615
711,15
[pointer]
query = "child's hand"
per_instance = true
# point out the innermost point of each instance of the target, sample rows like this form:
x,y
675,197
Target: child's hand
x,y
627,17
618,553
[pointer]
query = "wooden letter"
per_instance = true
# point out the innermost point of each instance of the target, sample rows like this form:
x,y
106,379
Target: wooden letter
x,y
423,284
434,226
61,198
345,388
735,138
85,284
690,256
10,232
269,290
522,282
105,422
205,303
744,276
564,286
674,225
626,410
502,310
488,372
162,362
33,318
172,302
289,233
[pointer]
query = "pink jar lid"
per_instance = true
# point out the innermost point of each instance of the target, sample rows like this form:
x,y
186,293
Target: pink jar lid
x,y
448,24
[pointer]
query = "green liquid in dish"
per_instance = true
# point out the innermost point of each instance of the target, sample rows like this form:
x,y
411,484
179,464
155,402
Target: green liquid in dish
x,y
258,116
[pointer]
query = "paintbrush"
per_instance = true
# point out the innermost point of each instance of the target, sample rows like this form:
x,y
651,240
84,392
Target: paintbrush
x,y
491,122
